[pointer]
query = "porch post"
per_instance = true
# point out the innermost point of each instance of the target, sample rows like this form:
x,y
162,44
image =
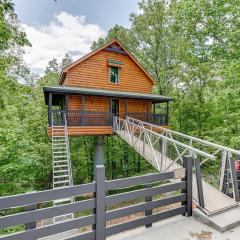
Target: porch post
x,y
83,110
110,111
50,109
126,108
66,107
167,117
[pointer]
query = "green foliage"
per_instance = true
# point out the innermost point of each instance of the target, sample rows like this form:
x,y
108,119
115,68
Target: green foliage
x,y
190,47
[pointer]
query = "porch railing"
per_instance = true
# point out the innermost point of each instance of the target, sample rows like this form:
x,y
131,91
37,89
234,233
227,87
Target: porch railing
x,y
87,118
79,118
157,119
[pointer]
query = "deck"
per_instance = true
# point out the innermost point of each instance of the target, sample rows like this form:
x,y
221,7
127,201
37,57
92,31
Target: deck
x,y
86,130
178,228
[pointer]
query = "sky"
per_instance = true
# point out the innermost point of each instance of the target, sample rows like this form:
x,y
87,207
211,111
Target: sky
x,y
67,26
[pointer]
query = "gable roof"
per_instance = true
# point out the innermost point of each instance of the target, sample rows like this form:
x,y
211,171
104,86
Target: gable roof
x,y
67,68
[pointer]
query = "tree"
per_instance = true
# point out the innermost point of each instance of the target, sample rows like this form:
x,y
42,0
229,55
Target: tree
x,y
67,60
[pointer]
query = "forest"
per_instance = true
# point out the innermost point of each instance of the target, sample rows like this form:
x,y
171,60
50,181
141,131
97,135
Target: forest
x,y
191,48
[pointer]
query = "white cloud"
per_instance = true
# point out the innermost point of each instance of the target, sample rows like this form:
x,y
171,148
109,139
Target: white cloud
x,y
66,34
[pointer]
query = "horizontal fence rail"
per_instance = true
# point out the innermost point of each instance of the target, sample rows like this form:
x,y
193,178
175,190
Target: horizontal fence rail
x,y
103,197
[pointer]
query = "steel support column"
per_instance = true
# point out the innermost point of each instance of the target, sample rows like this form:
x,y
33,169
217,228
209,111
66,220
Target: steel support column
x,y
98,152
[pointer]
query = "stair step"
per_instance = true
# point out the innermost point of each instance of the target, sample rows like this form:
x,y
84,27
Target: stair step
x,y
61,176
60,166
60,161
61,182
58,171
63,218
62,200
59,152
56,156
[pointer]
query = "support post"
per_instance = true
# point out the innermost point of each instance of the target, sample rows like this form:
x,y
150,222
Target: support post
x,y
188,164
110,110
234,179
126,108
199,183
31,225
167,117
100,203
50,109
66,108
148,199
98,152
83,110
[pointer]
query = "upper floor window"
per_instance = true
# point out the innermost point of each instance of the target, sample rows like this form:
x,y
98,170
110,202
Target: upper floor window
x,y
114,74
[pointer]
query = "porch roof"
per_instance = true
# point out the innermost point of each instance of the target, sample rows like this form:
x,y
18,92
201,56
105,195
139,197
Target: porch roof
x,y
103,92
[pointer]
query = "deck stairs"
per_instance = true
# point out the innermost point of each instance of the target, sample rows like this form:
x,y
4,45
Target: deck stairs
x,y
164,151
62,172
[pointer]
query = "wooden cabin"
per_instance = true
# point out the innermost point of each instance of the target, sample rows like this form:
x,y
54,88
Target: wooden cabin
x,y
107,82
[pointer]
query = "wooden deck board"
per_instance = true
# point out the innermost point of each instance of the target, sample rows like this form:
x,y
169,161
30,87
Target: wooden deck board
x,y
86,131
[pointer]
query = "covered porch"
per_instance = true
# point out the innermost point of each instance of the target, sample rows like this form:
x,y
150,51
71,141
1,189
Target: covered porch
x,y
92,110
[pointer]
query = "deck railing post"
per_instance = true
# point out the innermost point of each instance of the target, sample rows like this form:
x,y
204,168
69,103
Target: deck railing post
x,y
234,179
100,203
188,165
148,199
199,182
31,225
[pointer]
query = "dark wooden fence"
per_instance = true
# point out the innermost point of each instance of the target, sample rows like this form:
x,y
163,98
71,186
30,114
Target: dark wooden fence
x,y
100,204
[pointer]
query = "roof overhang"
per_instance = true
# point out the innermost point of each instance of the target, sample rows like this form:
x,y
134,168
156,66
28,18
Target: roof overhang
x,y
103,92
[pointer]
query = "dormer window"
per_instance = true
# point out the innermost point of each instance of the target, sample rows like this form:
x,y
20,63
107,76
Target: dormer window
x,y
114,70
114,74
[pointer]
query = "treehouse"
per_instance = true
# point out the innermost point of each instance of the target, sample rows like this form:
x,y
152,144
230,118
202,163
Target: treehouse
x,y
106,82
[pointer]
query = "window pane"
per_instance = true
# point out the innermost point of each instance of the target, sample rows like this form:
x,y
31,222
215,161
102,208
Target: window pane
x,y
114,75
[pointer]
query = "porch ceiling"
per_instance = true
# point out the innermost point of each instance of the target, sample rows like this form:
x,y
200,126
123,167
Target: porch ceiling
x,y
103,92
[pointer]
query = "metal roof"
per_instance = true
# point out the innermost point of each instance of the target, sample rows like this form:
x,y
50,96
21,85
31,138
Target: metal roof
x,y
103,92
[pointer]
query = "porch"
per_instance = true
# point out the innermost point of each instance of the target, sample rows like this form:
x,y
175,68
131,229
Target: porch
x,y
89,109
84,118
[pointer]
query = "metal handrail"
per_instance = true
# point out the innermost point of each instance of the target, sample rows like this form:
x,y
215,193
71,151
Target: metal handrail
x,y
192,149
199,140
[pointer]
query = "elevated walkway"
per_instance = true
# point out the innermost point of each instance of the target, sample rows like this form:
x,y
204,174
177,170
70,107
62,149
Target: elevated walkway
x,y
165,154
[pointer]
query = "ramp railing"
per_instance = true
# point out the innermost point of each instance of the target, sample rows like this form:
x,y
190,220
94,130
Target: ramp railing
x,y
160,150
225,179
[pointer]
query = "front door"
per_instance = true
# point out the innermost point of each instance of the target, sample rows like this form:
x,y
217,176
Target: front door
x,y
115,107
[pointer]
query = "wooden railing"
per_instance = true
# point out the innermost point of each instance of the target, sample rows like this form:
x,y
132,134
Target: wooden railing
x,y
148,186
79,118
156,119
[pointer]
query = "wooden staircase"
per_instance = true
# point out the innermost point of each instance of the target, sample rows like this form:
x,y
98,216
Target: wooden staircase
x,y
62,172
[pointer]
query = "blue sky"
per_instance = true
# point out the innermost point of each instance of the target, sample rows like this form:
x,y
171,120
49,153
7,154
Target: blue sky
x,y
57,27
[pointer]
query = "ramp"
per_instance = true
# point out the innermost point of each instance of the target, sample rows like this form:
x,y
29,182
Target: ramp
x,y
165,154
